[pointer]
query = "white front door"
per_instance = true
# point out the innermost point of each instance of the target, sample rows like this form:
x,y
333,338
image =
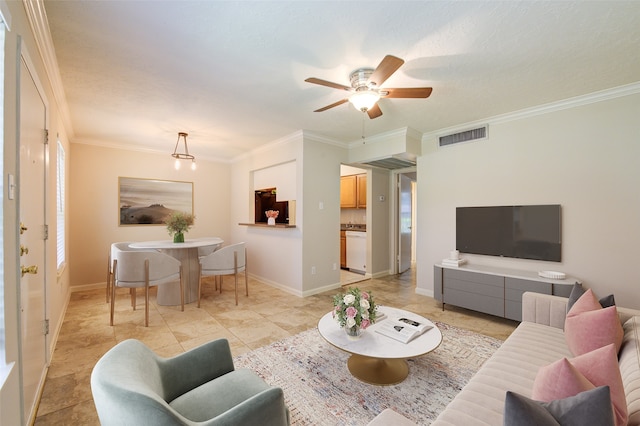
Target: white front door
x,y
31,190
405,207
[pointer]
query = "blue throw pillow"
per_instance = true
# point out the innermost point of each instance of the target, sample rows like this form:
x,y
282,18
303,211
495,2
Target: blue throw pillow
x,y
592,407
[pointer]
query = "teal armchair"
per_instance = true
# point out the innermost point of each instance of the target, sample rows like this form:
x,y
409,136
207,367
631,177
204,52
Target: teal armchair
x,y
131,385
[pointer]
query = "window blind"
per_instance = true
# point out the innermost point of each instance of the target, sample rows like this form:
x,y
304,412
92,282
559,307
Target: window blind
x,y
60,210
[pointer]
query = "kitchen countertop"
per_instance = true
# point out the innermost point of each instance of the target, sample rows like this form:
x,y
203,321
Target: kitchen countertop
x,y
353,227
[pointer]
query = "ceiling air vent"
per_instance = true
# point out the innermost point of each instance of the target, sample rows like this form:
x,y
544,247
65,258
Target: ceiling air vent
x,y
391,163
465,136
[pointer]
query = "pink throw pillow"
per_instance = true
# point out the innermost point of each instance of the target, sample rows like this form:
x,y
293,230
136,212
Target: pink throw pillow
x,y
565,378
601,368
588,326
558,381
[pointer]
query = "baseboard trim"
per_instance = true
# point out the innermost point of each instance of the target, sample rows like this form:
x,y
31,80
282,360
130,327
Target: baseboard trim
x,y
424,292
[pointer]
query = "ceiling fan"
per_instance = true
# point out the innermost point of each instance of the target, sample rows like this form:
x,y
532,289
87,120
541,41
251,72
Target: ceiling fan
x,y
365,87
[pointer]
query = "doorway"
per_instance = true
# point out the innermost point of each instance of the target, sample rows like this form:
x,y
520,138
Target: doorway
x,y
353,224
33,157
405,220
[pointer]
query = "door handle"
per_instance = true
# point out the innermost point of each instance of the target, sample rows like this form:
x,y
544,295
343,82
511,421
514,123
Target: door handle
x,y
33,269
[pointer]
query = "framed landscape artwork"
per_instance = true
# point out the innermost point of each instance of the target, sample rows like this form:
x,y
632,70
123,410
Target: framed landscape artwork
x,y
151,201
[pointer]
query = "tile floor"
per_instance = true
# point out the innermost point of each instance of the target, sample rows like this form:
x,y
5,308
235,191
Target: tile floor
x,y
348,277
260,319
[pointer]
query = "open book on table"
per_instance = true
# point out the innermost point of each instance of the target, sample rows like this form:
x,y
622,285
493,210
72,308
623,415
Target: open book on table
x,y
403,329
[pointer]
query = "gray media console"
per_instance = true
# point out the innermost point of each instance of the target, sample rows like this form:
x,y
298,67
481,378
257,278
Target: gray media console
x,y
494,291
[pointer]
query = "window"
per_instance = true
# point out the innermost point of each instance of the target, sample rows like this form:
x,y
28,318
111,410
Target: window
x,y
60,210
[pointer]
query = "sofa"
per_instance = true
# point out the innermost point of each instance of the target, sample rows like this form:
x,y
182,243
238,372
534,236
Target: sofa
x,y
537,342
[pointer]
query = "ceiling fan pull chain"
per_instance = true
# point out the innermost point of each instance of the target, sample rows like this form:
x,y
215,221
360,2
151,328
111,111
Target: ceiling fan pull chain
x,y
363,141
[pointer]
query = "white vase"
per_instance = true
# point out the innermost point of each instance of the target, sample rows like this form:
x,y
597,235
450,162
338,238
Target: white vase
x,y
271,221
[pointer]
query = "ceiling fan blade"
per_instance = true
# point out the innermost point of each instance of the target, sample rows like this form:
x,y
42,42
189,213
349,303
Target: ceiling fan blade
x,y
409,92
335,104
327,83
388,66
374,111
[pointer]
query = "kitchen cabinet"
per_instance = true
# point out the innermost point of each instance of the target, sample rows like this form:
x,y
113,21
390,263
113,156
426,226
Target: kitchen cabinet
x,y
353,191
348,192
361,192
343,249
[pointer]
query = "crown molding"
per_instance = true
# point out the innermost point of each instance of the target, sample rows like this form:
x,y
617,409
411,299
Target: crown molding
x,y
297,135
317,137
37,17
591,98
145,150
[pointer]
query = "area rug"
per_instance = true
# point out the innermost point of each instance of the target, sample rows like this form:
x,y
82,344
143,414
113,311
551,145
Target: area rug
x,y
319,390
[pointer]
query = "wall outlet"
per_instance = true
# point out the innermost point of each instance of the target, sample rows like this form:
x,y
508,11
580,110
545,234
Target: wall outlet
x,y
335,266
313,270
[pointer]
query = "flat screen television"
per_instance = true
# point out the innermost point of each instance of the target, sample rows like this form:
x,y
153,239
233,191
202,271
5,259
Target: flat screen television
x,y
523,232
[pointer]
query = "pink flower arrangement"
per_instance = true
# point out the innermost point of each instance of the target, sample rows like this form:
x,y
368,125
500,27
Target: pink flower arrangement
x,y
354,308
272,213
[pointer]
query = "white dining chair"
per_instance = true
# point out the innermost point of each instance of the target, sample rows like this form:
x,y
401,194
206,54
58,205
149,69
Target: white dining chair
x,y
227,260
124,246
206,250
144,269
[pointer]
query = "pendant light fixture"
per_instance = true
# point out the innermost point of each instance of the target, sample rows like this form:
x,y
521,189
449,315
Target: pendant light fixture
x,y
183,155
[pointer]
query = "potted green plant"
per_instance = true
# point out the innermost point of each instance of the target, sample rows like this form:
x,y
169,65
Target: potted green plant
x,y
177,224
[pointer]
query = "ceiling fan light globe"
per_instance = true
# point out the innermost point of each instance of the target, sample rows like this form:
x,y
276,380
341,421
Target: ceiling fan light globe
x,y
364,100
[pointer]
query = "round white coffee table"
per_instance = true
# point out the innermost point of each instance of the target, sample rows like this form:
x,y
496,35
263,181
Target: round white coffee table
x,y
377,359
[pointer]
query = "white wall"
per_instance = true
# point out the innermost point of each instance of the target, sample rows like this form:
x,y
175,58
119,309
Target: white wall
x,y
279,176
282,257
321,187
350,170
584,158
379,242
401,142
274,255
94,209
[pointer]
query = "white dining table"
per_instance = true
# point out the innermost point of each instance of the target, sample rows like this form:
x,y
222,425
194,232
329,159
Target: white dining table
x,y
187,254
